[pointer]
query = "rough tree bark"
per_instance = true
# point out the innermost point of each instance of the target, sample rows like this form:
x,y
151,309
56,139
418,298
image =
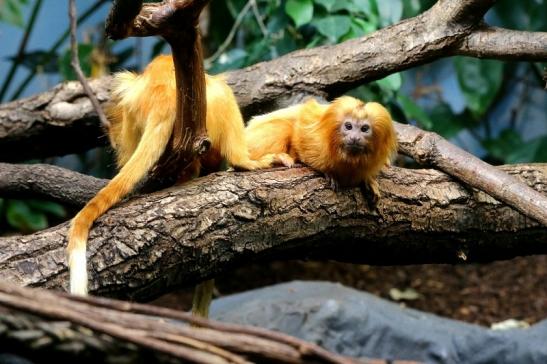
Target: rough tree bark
x,y
186,234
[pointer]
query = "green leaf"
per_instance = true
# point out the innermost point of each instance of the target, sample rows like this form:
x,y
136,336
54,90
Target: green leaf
x,y
50,208
532,151
448,124
391,83
411,8
333,27
359,28
506,143
523,14
390,11
286,44
21,217
278,21
414,112
480,81
327,4
84,55
300,11
363,6
346,5
365,92
10,12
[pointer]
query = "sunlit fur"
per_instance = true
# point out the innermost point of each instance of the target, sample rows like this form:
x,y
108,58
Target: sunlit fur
x,y
310,133
142,114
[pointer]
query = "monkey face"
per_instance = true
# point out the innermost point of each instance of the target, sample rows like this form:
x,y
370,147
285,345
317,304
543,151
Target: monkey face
x,y
355,135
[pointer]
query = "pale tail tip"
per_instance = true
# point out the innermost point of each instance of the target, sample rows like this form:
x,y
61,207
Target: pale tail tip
x,y
78,272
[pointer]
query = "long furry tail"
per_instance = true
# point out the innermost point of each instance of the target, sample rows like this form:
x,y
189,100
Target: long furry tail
x,y
149,150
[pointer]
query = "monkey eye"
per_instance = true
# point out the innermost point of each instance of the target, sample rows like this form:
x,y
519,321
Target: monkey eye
x,y
365,128
348,126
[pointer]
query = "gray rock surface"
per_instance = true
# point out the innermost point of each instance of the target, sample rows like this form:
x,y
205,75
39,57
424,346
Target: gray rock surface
x,y
358,324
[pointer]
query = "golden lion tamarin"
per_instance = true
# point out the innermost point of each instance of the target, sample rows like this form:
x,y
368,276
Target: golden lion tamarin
x,y
348,140
142,115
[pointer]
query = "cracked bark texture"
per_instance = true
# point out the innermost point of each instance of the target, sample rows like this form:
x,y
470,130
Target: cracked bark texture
x,y
186,234
63,121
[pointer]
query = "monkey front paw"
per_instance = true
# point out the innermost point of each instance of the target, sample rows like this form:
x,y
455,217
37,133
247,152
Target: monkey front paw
x,y
371,192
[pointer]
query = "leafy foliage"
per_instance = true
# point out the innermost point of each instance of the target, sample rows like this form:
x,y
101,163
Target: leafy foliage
x,y
30,215
480,81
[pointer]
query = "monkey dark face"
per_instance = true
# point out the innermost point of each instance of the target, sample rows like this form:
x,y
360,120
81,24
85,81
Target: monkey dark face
x,y
355,135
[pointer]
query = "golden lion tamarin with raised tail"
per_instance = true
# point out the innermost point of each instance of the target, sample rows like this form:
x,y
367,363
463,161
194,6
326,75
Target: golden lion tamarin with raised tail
x,y
142,116
348,140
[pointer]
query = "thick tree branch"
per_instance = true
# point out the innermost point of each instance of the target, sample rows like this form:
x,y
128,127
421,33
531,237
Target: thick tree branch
x,y
56,321
57,122
48,182
62,120
186,234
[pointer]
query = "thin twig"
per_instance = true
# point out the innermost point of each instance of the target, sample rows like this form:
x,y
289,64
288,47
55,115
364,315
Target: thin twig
x,y
86,14
75,62
231,35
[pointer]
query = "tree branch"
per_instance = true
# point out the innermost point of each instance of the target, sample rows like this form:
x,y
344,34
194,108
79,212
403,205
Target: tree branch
x,y
48,182
505,44
187,234
116,324
430,149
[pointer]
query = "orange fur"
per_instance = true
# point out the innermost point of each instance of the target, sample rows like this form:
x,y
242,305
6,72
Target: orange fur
x,y
310,133
142,115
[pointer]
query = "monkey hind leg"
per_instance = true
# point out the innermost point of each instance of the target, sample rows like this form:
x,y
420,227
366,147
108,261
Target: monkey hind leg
x,y
284,159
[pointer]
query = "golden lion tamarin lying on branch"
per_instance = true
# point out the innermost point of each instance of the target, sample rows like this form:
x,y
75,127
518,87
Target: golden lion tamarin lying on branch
x,y
348,140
